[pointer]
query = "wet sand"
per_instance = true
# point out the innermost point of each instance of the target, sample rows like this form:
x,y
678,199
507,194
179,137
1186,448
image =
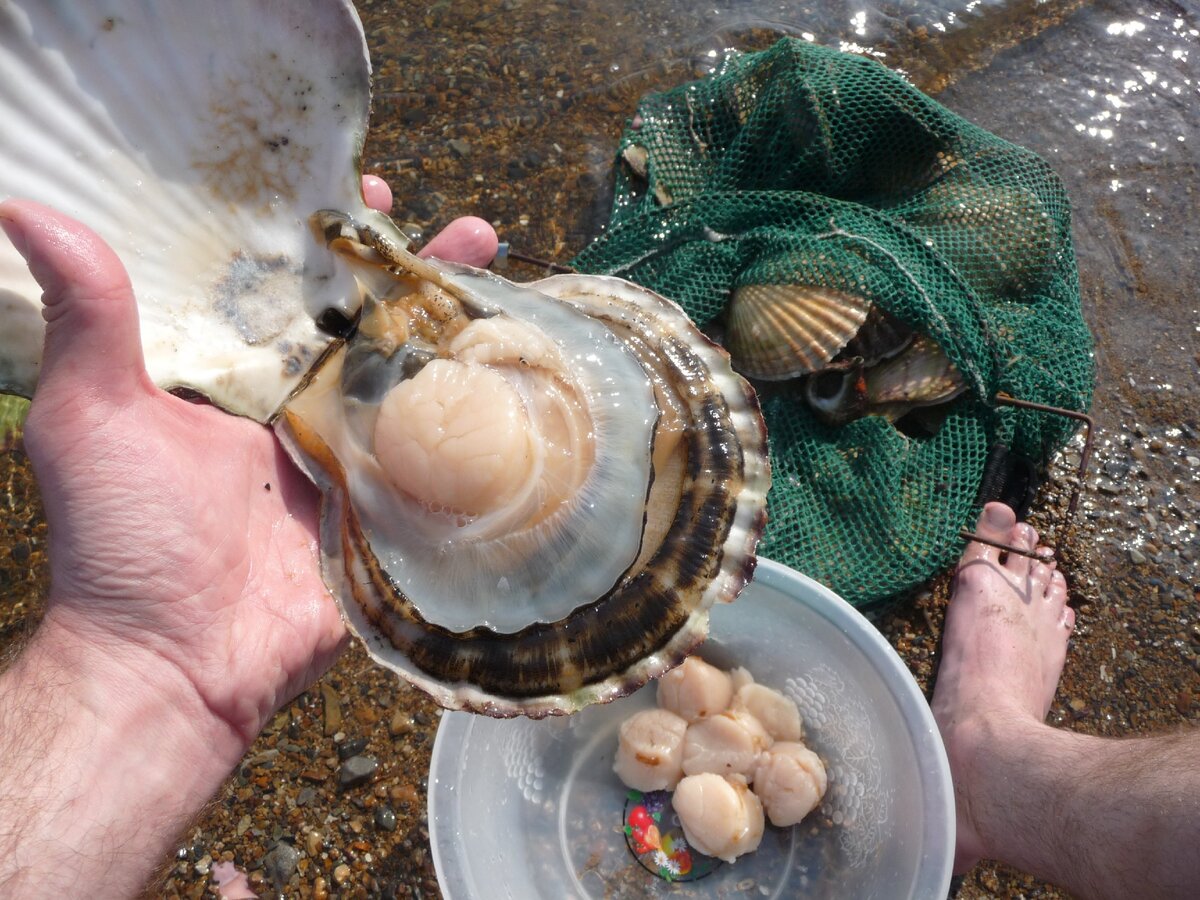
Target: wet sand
x,y
511,110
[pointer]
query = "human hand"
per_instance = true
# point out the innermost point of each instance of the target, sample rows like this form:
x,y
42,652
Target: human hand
x,y
186,603
175,530
178,534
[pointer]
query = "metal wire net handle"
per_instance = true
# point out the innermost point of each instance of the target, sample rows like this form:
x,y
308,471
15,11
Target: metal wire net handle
x,y
1085,455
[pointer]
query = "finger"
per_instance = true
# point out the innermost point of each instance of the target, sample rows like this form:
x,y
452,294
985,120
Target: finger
x,y
377,193
92,334
468,240
995,523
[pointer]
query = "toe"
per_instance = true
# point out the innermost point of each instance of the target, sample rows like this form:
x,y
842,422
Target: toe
x,y
1040,574
995,523
1056,595
1026,538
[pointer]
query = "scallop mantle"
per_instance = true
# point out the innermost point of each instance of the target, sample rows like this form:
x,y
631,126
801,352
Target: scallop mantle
x,y
243,225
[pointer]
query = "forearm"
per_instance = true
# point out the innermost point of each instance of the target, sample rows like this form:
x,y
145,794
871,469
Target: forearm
x,y
107,754
1103,817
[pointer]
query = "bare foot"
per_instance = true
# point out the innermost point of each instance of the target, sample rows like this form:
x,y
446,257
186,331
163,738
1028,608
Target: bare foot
x,y
1003,649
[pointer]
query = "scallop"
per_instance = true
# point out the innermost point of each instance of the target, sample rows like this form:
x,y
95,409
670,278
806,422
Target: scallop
x,y
790,780
695,690
1003,236
776,712
921,375
881,337
532,494
739,677
726,744
650,750
779,331
720,816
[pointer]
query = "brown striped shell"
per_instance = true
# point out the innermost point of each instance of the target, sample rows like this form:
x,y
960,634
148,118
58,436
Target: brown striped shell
x,y
919,375
780,331
582,603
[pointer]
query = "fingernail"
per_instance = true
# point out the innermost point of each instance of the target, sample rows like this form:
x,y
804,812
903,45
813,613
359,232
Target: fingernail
x,y
16,234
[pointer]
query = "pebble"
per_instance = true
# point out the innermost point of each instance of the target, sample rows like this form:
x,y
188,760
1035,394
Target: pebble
x,y
385,818
355,771
320,889
333,709
407,794
1183,701
341,874
280,864
401,723
352,747
1137,556
312,843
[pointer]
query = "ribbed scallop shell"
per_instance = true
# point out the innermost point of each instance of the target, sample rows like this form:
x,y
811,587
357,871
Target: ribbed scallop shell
x,y
920,376
780,331
881,337
195,139
1002,236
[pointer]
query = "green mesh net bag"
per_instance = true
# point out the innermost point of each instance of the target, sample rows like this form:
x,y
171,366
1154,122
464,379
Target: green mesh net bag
x,y
881,269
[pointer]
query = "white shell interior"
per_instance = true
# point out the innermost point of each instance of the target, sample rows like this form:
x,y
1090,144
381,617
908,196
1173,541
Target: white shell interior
x,y
196,139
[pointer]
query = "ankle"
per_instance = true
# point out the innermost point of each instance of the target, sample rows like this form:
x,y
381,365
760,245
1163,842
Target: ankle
x,y
984,746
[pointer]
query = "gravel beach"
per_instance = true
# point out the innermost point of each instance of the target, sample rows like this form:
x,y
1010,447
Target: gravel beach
x,y
511,109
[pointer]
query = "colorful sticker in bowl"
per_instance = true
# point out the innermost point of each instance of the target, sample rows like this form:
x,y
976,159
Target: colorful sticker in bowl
x,y
654,837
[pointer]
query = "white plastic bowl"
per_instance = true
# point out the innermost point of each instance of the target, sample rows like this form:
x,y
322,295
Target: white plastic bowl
x,y
523,809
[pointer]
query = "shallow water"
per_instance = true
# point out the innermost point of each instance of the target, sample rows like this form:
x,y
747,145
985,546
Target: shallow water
x,y
511,109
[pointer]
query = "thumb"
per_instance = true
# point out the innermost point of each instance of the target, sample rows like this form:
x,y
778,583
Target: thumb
x,y
92,335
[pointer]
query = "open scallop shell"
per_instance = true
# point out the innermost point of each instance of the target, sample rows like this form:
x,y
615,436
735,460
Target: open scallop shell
x,y
216,149
196,140
571,609
919,375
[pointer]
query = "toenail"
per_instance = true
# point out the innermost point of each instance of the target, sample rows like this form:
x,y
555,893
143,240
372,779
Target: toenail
x,y
995,515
